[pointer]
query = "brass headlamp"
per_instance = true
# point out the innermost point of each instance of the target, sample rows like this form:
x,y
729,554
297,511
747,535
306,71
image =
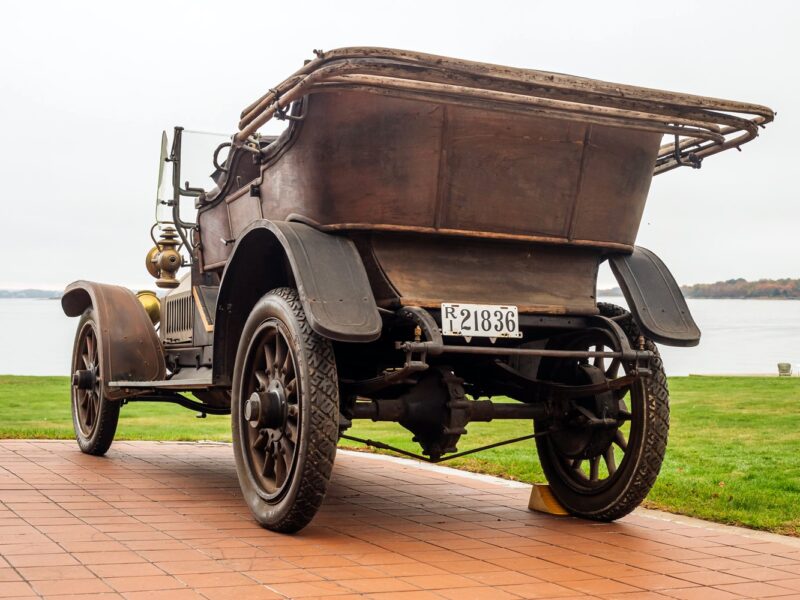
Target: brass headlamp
x,y
151,304
164,260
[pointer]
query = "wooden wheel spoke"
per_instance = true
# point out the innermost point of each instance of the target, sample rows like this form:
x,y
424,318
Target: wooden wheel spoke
x,y
594,469
268,469
90,410
263,380
598,361
288,366
291,429
619,440
291,388
269,355
87,408
610,460
621,393
287,446
90,346
624,414
576,465
261,441
613,368
280,469
95,407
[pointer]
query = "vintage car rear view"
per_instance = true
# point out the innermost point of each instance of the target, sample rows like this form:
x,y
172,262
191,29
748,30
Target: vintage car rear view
x,y
420,245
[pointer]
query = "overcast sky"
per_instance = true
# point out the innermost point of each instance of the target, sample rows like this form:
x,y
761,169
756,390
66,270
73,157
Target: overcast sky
x,y
87,88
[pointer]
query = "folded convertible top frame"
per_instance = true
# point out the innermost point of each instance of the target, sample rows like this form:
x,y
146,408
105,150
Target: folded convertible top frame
x,y
701,126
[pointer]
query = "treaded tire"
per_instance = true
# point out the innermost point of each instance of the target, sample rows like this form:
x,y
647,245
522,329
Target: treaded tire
x,y
638,472
94,439
295,505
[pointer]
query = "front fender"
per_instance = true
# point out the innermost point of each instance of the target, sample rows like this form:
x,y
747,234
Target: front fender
x,y
129,347
654,298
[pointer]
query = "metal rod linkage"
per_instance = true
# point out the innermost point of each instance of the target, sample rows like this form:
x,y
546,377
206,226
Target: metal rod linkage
x,y
181,401
382,446
500,351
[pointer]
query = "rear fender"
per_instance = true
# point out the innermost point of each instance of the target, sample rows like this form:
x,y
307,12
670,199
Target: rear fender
x,y
654,298
128,344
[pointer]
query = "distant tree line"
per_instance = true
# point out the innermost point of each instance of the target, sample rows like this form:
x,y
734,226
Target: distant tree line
x,y
734,288
741,288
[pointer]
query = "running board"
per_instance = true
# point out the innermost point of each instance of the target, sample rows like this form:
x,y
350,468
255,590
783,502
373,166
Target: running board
x,y
166,384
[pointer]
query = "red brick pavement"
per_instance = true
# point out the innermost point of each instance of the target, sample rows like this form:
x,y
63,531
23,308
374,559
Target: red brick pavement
x,y
165,520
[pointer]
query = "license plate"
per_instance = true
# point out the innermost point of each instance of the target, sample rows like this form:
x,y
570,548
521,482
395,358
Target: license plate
x,y
480,320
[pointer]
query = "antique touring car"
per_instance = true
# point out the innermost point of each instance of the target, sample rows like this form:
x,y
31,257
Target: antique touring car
x,y
420,244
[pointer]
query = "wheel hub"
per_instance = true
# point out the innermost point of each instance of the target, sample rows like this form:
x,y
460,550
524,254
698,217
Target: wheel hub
x,y
267,409
579,435
84,379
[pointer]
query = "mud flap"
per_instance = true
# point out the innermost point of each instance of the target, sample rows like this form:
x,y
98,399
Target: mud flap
x,y
332,283
326,269
654,298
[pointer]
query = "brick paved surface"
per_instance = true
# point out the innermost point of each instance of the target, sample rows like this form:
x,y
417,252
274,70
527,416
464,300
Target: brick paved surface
x,y
165,520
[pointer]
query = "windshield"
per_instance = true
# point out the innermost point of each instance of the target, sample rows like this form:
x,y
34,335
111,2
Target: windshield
x,y
164,191
197,164
197,152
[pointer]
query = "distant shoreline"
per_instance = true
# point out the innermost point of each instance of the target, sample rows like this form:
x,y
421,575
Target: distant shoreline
x,y
736,289
619,294
30,294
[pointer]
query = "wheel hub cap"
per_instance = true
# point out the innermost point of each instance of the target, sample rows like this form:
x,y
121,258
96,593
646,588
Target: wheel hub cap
x,y
84,379
267,409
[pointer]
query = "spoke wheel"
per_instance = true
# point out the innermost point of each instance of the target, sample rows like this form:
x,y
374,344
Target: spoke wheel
x,y
284,413
94,417
271,410
605,472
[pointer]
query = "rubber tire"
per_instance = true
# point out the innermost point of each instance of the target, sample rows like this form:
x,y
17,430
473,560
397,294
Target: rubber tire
x,y
319,415
108,416
639,475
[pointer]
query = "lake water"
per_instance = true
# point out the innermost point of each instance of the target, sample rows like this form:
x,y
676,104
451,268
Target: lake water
x,y
739,336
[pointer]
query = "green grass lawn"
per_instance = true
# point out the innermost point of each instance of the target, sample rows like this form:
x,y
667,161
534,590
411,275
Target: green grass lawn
x,y
733,455
38,408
